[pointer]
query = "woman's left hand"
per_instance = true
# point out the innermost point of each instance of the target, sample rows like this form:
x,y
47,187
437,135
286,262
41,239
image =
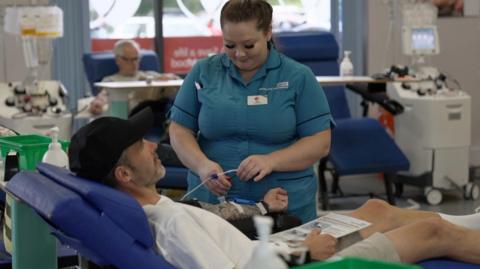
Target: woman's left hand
x,y
256,167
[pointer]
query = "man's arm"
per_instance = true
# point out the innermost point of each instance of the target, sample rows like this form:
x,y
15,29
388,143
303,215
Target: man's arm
x,y
275,200
234,211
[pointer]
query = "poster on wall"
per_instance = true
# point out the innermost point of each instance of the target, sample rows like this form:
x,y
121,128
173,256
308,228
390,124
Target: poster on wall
x,y
457,8
181,53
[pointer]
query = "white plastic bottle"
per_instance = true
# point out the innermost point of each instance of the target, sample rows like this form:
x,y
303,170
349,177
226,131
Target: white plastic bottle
x,y
55,154
346,66
263,255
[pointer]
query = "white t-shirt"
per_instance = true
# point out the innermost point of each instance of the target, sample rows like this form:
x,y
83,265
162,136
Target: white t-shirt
x,y
189,237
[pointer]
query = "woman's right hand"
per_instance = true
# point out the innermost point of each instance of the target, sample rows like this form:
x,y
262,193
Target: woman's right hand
x,y
218,186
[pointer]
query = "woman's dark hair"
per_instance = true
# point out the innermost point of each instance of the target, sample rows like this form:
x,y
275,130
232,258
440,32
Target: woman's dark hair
x,y
246,10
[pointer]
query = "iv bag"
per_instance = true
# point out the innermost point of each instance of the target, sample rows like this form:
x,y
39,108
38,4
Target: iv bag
x,y
38,21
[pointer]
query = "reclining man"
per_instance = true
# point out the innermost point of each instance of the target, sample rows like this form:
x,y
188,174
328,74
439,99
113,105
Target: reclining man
x,y
113,151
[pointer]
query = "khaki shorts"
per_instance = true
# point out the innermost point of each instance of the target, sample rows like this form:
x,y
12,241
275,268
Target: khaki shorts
x,y
377,247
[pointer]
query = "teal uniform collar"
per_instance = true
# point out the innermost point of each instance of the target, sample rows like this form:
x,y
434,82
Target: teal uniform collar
x,y
273,61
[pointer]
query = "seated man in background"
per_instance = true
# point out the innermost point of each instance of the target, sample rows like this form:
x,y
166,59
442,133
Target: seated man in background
x,y
112,151
127,59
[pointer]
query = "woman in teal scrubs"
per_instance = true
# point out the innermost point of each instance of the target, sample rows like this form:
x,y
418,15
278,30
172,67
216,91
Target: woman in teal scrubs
x,y
254,110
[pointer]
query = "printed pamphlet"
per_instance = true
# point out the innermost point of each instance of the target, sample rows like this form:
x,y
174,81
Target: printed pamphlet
x,y
334,224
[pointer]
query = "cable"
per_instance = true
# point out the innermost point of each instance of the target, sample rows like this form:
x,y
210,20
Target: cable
x,y
212,177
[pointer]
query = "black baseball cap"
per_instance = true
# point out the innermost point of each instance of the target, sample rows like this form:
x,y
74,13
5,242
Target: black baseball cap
x,y
96,147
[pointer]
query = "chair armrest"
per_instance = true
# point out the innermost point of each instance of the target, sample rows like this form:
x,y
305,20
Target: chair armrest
x,y
384,101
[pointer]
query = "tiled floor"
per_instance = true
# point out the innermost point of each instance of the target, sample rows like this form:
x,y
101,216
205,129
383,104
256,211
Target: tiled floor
x,y
453,202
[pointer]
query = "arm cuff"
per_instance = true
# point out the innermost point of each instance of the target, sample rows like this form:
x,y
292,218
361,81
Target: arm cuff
x,y
263,207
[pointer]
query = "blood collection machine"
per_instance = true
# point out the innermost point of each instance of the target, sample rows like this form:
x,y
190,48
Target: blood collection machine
x,y
434,129
31,105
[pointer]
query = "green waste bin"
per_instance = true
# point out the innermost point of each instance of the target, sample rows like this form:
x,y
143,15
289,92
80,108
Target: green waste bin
x,y
356,263
30,148
25,234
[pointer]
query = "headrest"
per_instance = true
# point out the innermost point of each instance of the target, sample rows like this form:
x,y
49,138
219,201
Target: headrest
x,y
122,209
307,46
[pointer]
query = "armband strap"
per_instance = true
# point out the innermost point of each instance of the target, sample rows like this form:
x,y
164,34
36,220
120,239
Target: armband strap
x,y
264,208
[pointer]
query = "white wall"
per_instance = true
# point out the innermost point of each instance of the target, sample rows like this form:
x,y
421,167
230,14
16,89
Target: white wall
x,y
459,54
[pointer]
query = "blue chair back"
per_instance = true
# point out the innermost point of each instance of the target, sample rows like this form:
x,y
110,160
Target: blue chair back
x,y
105,225
98,65
319,51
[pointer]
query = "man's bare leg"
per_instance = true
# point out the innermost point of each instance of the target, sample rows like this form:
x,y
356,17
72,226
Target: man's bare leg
x,y
385,217
435,237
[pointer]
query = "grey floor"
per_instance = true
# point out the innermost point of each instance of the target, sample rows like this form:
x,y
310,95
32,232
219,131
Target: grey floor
x,y
452,203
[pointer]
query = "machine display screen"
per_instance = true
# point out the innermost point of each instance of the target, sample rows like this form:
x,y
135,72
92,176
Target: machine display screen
x,y
423,39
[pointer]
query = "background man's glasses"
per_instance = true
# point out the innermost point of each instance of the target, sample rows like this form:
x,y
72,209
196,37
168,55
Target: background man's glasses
x,y
129,60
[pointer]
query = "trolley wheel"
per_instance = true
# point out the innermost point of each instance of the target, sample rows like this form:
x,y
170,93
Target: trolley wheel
x,y
434,196
471,191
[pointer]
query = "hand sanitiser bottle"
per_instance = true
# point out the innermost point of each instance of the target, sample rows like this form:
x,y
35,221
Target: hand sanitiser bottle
x,y
55,155
263,255
346,66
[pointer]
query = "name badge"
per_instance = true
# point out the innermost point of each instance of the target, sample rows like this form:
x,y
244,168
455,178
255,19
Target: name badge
x,y
256,100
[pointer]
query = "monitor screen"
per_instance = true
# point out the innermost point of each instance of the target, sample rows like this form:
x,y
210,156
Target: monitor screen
x,y
423,39
420,40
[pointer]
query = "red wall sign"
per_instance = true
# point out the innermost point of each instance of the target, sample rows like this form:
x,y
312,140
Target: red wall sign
x,y
181,53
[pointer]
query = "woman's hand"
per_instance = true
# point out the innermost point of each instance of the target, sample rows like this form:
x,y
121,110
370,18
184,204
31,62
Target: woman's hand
x,y
321,246
218,186
256,167
277,200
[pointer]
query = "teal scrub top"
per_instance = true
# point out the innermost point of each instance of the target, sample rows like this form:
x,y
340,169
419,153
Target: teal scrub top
x,y
233,119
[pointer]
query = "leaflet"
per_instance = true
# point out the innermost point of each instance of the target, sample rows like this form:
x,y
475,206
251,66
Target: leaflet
x,y
334,224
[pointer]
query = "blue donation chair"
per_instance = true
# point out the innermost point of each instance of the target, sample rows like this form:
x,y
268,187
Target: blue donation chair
x,y
104,225
98,65
359,145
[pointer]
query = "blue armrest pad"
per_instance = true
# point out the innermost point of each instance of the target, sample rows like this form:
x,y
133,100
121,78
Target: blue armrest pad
x,y
349,158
